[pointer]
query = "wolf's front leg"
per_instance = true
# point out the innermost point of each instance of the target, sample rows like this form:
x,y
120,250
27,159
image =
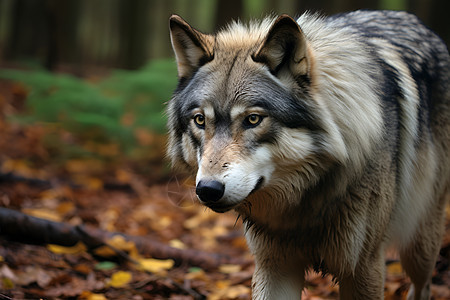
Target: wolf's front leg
x,y
274,279
366,282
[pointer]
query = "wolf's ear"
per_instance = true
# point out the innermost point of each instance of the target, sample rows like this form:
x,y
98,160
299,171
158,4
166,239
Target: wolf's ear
x,y
284,46
192,48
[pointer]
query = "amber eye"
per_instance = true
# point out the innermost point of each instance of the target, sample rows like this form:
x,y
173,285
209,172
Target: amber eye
x,y
252,120
199,120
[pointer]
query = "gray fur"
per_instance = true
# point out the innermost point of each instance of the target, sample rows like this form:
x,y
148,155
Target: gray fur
x,y
348,152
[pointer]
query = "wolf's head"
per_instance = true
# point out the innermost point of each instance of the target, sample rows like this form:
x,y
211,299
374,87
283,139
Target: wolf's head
x,y
243,113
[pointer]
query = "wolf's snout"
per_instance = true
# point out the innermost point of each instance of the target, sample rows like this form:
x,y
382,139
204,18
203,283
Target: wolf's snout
x,y
210,190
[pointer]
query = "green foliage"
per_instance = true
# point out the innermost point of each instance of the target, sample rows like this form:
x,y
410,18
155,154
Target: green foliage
x,y
145,92
393,4
108,111
256,8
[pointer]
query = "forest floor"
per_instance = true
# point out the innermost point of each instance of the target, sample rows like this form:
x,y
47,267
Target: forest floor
x,y
113,197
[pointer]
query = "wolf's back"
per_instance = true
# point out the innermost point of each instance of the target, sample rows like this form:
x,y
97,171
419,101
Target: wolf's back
x,y
391,60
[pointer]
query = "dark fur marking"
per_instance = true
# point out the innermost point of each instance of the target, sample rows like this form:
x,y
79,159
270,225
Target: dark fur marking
x,y
288,110
233,62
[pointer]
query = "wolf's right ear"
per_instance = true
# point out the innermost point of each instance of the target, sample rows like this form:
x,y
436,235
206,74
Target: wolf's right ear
x,y
192,48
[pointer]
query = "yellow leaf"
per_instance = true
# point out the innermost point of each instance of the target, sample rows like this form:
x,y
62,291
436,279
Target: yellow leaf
x,y
236,291
120,279
155,265
395,269
105,251
229,269
120,243
7,283
177,244
229,292
78,248
20,167
43,213
198,219
222,284
93,296
164,221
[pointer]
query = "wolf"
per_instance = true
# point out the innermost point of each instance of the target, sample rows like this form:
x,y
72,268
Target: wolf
x,y
328,136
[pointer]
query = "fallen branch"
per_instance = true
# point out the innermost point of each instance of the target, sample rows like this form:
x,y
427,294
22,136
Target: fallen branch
x,y
46,184
31,230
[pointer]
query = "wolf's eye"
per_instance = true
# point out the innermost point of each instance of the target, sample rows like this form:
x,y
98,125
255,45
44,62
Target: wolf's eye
x,y
252,120
199,120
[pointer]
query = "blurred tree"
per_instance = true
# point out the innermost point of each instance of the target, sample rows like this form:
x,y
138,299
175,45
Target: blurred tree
x,y
228,10
29,30
134,30
61,21
120,33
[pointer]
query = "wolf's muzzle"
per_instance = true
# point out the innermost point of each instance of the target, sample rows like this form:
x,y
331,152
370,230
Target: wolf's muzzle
x,y
210,191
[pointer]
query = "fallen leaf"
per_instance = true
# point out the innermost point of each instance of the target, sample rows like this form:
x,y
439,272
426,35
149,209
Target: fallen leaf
x,y
43,213
395,269
106,265
120,279
123,176
198,219
155,265
93,296
118,242
177,244
65,208
225,291
19,167
78,248
82,268
7,283
230,269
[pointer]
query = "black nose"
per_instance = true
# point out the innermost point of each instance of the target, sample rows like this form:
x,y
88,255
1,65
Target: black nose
x,y
210,190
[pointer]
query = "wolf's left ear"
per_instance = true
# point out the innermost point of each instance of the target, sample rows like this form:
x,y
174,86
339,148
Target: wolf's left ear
x,y
192,48
284,46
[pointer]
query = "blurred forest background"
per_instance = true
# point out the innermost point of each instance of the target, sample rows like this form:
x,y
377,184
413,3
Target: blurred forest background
x,y
83,87
126,34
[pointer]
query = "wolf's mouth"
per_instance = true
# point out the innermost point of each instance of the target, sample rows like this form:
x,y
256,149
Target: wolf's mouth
x,y
219,207
258,185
